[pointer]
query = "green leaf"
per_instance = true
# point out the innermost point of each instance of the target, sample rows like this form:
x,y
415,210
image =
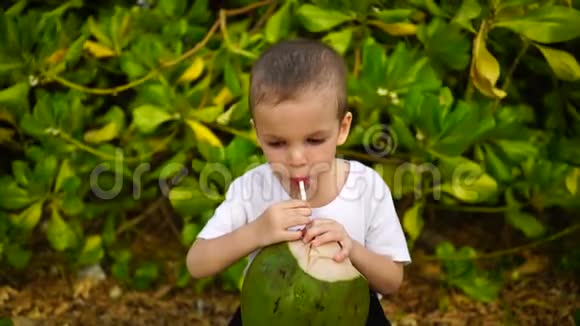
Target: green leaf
x,y
207,115
170,168
469,10
59,233
525,222
278,26
72,204
16,8
406,70
6,67
189,233
29,217
172,8
393,15
479,288
403,136
373,63
17,256
45,171
183,276
6,135
15,98
466,180
109,232
32,126
413,220
11,195
430,5
71,184
65,172
208,143
75,50
339,40
106,133
148,117
200,12
517,151
238,151
456,268
98,33
231,79
514,3
188,199
92,251
132,67
572,181
119,26
445,43
562,63
120,268
546,24
22,173
7,321
114,122
316,19
146,273
496,165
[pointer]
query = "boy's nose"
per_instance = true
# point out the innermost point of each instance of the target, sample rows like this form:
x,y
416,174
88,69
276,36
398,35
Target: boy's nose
x,y
297,157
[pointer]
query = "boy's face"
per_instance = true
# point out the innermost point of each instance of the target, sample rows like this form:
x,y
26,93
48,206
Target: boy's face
x,y
299,136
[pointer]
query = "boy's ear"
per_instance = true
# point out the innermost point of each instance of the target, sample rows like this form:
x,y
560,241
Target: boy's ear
x,y
344,128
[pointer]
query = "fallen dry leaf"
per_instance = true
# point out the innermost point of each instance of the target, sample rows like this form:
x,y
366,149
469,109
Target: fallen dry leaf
x,y
6,293
83,287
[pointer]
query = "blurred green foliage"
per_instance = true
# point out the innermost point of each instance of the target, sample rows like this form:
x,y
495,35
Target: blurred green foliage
x,y
108,109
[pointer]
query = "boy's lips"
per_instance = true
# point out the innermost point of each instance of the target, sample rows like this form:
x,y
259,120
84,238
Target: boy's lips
x,y
296,180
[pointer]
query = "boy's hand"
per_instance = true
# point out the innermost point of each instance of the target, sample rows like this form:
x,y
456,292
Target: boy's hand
x,y
322,230
272,226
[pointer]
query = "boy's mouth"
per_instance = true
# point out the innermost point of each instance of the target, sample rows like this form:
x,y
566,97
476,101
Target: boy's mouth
x,y
296,180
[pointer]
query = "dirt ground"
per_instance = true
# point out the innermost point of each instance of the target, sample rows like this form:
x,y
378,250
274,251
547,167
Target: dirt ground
x,y
540,299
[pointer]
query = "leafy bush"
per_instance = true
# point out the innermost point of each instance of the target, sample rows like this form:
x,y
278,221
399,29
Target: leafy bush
x,y
108,110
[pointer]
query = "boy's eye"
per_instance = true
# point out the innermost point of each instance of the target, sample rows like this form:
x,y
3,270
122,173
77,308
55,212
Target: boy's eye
x,y
276,143
316,141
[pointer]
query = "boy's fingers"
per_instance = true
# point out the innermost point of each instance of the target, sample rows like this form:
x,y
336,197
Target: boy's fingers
x,y
323,238
303,211
295,203
293,235
322,221
313,232
296,219
339,257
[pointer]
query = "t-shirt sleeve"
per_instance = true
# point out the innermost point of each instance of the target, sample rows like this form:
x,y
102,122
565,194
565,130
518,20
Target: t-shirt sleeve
x,y
230,214
385,235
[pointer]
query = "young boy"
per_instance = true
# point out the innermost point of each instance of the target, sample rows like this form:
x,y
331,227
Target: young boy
x,y
298,103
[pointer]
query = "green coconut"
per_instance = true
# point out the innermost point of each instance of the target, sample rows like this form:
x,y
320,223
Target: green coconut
x,y
292,283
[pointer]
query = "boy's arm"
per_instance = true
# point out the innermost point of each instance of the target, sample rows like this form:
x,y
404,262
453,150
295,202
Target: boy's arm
x,y
207,257
383,274
211,256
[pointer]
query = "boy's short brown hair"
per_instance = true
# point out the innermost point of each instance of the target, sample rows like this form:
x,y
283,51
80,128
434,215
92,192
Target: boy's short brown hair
x,y
294,66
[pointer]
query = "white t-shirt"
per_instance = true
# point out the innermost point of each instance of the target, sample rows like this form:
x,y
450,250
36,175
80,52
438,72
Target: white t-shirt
x,y
364,207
